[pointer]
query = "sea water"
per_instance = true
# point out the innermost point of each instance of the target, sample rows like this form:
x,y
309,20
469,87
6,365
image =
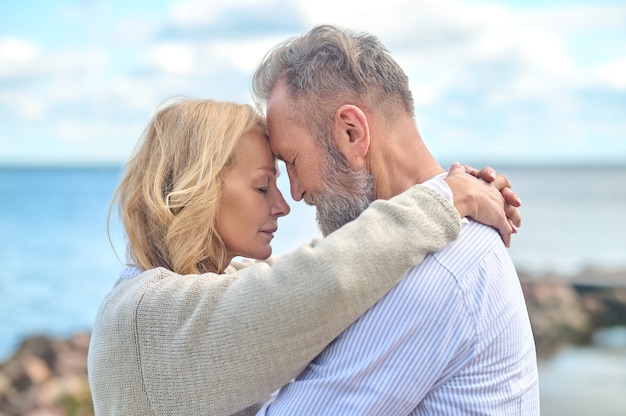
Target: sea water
x,y
58,264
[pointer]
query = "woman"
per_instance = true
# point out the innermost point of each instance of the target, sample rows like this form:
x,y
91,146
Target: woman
x,y
191,332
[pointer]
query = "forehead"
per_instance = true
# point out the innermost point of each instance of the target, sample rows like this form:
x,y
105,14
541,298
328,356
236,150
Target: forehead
x,y
254,149
286,133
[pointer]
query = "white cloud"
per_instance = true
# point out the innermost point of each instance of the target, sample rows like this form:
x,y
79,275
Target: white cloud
x,y
201,13
31,108
244,54
613,73
574,18
15,55
172,58
478,71
16,50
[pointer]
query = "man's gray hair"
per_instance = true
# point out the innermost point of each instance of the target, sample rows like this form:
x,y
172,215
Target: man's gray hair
x,y
328,67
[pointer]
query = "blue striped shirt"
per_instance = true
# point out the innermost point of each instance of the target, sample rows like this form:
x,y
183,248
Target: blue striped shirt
x,y
452,338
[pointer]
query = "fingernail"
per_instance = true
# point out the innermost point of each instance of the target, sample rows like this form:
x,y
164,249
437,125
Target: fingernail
x,y
519,201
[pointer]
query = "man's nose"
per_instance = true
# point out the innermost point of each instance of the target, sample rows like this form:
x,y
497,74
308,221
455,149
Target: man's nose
x,y
297,190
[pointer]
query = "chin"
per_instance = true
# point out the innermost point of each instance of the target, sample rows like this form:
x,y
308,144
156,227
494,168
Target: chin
x,y
264,254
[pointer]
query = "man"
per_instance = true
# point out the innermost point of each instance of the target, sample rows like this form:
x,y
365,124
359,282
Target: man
x,y
454,336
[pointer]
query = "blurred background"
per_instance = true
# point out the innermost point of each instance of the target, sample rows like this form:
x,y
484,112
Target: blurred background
x,y
536,89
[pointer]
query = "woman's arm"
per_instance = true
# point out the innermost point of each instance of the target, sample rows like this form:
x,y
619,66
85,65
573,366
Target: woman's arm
x,y
254,330
214,344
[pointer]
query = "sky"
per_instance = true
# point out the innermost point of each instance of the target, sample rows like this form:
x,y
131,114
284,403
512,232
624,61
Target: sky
x,y
495,81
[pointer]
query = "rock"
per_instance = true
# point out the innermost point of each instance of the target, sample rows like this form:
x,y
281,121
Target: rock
x,y
557,314
604,296
568,310
47,376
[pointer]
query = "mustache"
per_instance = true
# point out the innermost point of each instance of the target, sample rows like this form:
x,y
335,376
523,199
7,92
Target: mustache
x,y
337,206
344,194
311,199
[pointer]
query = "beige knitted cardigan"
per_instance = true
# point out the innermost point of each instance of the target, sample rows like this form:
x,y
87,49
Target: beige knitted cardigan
x,y
168,344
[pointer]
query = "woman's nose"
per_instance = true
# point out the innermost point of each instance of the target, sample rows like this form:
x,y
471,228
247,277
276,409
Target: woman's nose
x,y
281,207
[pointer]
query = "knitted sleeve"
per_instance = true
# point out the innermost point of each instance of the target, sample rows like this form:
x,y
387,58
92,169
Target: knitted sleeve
x,y
216,344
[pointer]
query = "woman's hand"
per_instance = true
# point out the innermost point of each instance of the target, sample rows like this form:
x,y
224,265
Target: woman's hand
x,y
512,201
485,197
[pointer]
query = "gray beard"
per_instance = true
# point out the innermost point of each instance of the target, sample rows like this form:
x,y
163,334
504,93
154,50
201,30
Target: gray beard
x,y
346,193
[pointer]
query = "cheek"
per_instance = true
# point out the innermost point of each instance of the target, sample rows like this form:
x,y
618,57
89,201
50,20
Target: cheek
x,y
228,222
310,176
244,219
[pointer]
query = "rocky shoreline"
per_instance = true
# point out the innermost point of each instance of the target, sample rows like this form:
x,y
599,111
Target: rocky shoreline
x,y
568,311
48,376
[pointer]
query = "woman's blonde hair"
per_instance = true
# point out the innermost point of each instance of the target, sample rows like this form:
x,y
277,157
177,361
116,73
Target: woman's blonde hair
x,y
169,196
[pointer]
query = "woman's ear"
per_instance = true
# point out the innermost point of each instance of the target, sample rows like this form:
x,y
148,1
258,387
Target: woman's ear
x,y
352,134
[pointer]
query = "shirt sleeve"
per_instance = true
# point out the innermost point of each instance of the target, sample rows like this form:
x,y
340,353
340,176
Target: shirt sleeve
x,y
412,341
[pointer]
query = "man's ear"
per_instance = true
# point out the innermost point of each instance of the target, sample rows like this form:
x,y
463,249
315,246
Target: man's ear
x,y
352,134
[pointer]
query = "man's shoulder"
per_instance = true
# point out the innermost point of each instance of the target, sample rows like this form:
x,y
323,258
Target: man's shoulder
x,y
451,266
476,241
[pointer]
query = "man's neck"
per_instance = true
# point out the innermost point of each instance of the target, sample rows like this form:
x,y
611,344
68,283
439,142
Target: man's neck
x,y
399,158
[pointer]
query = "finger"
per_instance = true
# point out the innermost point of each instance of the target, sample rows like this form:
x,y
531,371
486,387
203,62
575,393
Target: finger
x,y
513,215
502,181
511,197
456,168
471,170
487,174
505,233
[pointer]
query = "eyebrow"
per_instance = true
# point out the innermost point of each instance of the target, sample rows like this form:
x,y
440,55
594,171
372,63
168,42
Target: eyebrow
x,y
271,169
